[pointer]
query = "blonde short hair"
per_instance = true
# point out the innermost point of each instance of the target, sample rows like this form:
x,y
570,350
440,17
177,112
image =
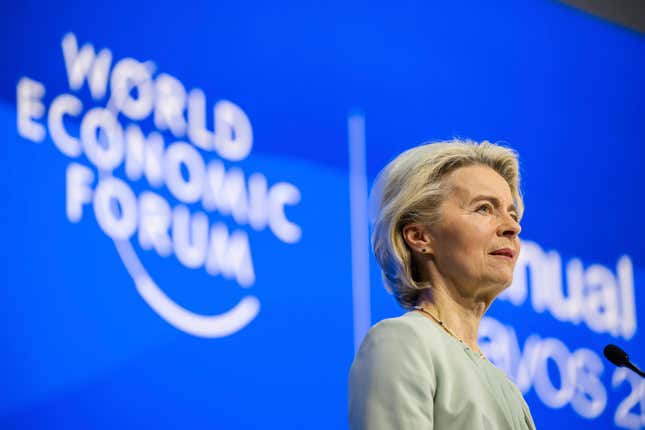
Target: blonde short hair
x,y
410,189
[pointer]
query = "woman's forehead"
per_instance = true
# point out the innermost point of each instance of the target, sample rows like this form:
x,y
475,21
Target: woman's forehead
x,y
467,183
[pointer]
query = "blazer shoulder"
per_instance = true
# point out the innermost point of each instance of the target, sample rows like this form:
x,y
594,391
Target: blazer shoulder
x,y
400,335
392,380
411,325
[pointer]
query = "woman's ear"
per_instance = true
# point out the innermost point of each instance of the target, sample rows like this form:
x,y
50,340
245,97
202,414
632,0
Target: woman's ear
x,y
417,237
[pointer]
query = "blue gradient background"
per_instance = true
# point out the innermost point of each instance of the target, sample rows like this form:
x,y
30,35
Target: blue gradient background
x,y
81,349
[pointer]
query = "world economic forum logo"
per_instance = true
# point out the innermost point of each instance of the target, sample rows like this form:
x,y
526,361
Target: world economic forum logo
x,y
111,136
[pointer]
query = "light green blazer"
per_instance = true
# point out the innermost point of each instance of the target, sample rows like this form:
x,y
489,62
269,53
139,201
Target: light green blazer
x,y
410,374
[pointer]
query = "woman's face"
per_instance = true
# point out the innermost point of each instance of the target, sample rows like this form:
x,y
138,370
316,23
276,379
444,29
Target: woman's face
x,y
478,219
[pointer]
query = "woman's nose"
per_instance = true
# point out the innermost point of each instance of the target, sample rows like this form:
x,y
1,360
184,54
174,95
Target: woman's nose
x,y
509,227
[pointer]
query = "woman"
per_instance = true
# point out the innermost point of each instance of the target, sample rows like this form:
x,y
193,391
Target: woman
x,y
446,238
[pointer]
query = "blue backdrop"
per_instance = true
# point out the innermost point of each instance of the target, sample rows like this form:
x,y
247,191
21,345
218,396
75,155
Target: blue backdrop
x,y
184,202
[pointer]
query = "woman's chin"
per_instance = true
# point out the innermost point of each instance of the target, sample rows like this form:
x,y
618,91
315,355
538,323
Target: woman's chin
x,y
500,283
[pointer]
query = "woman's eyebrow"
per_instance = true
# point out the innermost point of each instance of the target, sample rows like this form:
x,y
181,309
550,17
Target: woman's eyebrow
x,y
495,201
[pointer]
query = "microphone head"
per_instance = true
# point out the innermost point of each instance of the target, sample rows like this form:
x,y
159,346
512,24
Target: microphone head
x,y
616,355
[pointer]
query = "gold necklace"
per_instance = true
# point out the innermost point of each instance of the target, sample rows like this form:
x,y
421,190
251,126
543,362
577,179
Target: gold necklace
x,y
445,327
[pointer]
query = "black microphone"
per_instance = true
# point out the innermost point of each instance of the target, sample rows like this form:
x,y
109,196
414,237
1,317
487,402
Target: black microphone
x,y
620,358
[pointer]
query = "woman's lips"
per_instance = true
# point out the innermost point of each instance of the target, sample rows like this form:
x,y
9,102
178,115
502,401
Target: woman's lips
x,y
504,252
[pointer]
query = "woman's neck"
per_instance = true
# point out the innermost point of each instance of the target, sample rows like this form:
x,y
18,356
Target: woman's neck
x,y
460,315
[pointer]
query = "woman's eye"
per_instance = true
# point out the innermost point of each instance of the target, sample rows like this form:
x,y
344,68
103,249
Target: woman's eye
x,y
484,208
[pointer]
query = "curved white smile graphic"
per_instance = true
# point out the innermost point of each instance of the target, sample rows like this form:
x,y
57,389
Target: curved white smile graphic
x,y
196,324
